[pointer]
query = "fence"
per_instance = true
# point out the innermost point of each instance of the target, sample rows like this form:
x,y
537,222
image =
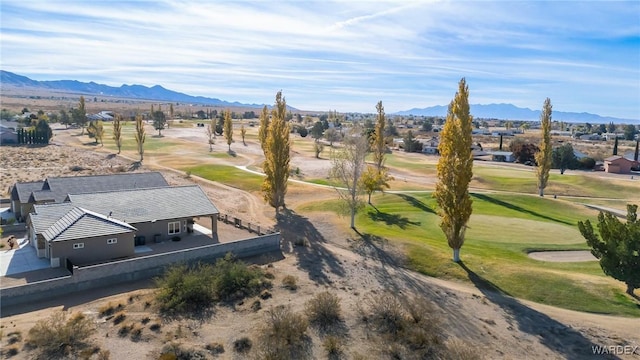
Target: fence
x,y
245,225
102,275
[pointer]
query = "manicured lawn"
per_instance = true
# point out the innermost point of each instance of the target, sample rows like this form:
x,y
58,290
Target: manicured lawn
x,y
502,229
228,175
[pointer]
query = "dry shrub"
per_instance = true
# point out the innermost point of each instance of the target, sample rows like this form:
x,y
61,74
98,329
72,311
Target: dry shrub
x,y
215,348
155,327
136,332
283,335
119,317
58,336
242,345
323,310
14,337
109,309
176,351
290,282
404,326
333,346
461,350
10,351
104,355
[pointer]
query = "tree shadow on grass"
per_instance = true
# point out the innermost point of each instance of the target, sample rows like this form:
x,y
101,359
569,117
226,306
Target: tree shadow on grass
x,y
556,336
416,203
391,219
517,208
300,236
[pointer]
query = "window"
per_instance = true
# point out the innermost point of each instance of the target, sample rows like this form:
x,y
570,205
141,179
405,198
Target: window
x,y
112,241
78,245
174,227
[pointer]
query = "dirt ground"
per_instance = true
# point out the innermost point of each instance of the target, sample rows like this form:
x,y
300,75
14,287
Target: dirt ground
x,y
322,254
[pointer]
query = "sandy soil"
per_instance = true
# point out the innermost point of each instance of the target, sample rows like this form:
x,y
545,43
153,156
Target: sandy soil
x,y
332,258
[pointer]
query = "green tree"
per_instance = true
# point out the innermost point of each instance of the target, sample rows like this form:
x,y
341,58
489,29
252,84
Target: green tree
x,y
615,146
375,180
348,166
455,170
140,136
264,127
410,143
117,131
243,133
65,119
629,132
170,116
563,157
543,157
277,155
159,121
317,131
611,128
617,247
379,147
44,130
79,114
228,128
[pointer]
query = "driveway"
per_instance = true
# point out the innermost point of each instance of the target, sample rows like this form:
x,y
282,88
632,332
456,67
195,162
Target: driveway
x,y
20,260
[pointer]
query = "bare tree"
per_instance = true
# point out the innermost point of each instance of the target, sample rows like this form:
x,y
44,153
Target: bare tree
x,y
347,168
211,133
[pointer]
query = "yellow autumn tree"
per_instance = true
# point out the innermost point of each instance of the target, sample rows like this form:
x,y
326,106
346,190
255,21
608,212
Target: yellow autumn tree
x,y
544,156
117,131
277,148
264,126
228,128
455,170
375,180
378,137
140,136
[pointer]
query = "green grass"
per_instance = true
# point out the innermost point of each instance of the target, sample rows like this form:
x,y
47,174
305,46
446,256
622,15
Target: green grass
x,y
502,230
517,180
228,175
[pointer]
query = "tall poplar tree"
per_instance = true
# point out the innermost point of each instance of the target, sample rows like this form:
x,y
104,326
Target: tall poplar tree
x,y
277,148
228,128
378,137
80,114
243,133
544,156
170,116
140,136
264,126
455,170
117,131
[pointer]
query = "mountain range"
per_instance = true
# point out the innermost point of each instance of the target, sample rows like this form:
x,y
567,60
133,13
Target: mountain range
x,y
512,112
157,92
141,92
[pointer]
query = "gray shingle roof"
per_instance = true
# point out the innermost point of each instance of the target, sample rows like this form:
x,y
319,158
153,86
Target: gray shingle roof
x,y
57,188
144,205
44,216
22,191
79,223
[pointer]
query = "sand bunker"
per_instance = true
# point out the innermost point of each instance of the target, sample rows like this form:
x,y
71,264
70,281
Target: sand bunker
x,y
563,256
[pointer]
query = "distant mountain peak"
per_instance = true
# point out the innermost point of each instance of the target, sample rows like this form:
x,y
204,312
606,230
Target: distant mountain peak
x,y
505,111
134,91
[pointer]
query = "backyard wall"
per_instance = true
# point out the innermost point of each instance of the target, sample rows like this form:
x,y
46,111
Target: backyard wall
x,y
97,276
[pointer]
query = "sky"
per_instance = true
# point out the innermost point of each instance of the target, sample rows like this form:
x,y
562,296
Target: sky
x,y
345,55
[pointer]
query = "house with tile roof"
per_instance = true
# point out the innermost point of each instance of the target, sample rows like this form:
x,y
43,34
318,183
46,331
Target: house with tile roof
x,y
101,226
55,189
618,164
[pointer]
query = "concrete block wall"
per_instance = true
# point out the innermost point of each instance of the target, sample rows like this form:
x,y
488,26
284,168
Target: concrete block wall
x,y
96,276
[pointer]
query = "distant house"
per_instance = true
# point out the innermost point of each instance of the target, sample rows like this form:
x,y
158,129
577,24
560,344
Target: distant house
x,y
102,115
101,226
618,165
502,156
55,189
590,137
